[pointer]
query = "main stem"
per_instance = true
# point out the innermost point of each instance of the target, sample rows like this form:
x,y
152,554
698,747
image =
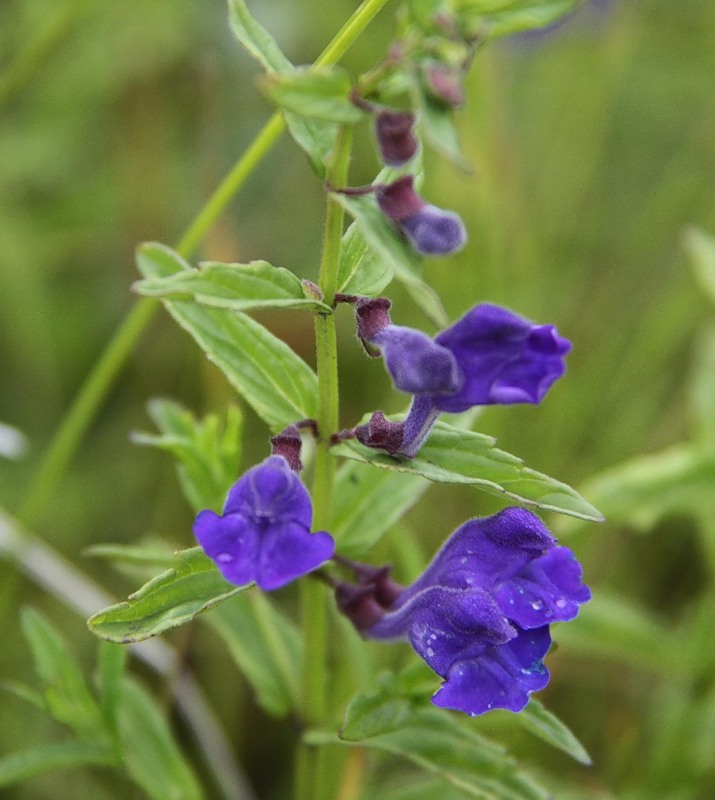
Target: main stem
x,y
311,762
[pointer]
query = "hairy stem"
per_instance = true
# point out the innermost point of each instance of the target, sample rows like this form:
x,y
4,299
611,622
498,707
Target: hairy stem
x,y
311,765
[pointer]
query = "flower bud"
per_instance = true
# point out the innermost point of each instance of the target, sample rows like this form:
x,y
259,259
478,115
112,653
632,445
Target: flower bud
x,y
395,137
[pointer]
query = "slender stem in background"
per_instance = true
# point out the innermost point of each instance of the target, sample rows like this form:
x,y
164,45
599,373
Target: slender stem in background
x,y
38,50
92,393
83,410
311,762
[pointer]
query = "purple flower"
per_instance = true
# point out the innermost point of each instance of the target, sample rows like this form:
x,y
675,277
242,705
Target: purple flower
x,y
264,532
490,356
480,613
432,231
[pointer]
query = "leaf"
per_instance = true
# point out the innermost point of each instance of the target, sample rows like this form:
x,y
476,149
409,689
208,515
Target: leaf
x,y
150,755
610,627
396,251
435,740
315,137
167,601
112,660
278,384
542,723
265,645
702,391
451,455
368,502
155,556
16,767
320,92
403,787
238,287
495,18
437,121
645,489
208,455
360,270
700,246
255,38
66,694
23,692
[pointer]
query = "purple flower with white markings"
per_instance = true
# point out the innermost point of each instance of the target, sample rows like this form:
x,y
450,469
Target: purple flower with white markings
x,y
480,613
431,231
264,533
489,356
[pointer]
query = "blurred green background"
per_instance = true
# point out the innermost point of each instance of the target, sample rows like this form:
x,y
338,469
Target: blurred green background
x,y
593,148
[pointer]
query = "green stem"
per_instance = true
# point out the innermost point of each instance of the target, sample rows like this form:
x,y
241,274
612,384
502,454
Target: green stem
x,y
37,52
75,423
91,395
229,186
311,764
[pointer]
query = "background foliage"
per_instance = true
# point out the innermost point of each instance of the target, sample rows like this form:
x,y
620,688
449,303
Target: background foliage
x,y
592,151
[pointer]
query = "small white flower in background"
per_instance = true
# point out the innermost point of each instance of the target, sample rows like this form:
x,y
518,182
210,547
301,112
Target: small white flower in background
x,y
13,443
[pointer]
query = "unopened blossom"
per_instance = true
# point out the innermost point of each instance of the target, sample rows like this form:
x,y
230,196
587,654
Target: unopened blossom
x,y
489,356
394,131
430,230
480,613
264,533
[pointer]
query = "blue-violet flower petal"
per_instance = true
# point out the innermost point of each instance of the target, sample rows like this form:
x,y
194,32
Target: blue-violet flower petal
x,y
479,615
264,533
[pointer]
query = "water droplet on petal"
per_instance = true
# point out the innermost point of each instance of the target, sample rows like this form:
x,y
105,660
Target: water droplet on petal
x,y
537,605
561,602
224,558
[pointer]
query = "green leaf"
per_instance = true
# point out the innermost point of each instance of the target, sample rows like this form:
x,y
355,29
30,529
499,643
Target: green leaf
x,y
255,38
265,645
278,384
315,137
438,742
150,755
66,694
612,628
702,391
495,18
150,555
360,269
437,121
389,245
376,713
403,787
23,692
238,287
208,454
451,455
17,767
700,246
368,502
171,599
646,489
542,723
321,92
112,660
